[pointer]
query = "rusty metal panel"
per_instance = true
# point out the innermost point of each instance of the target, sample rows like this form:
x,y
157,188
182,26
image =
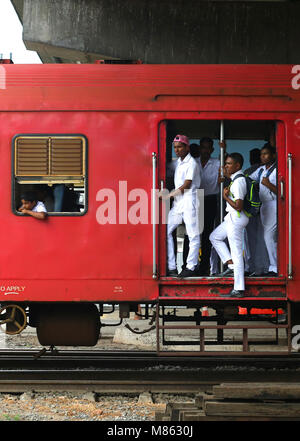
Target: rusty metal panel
x,y
217,288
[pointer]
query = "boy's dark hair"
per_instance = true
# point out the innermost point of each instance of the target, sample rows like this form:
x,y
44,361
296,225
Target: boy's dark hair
x,y
29,196
269,147
207,139
254,156
237,157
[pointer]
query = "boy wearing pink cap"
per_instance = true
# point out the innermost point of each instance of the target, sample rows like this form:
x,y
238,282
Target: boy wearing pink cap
x,y
187,181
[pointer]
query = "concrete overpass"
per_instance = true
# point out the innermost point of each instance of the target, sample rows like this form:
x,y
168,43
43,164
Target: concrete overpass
x,y
162,31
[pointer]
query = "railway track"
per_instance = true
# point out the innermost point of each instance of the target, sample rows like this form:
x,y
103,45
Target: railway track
x,y
136,371
220,388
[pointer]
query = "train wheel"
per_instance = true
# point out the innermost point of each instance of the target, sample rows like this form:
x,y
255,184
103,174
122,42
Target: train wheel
x,y
13,319
68,325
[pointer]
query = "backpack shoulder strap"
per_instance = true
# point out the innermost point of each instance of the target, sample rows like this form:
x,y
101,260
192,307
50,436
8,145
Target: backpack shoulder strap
x,y
273,166
259,174
240,175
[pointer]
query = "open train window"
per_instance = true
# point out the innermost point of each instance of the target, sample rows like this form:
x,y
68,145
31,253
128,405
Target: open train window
x,y
54,168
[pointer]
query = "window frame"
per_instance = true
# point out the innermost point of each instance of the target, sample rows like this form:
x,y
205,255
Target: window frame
x,y
85,169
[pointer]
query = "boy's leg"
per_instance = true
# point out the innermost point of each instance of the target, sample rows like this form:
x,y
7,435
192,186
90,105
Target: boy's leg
x,y
248,257
192,229
235,228
174,219
194,246
269,221
258,256
261,252
217,239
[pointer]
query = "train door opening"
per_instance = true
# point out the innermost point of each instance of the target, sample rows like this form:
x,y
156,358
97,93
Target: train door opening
x,y
264,254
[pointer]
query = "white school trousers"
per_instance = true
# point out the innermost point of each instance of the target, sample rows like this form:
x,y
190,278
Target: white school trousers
x,y
255,250
174,220
268,215
232,228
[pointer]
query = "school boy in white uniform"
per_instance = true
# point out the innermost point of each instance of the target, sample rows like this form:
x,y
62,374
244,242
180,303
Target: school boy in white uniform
x,y
233,226
187,181
268,210
33,207
209,167
255,251
210,180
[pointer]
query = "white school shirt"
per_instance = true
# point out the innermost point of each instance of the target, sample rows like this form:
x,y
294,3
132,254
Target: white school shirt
x,y
265,194
39,207
209,176
238,190
188,169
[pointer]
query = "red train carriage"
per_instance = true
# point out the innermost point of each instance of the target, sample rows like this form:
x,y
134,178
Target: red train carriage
x,y
104,133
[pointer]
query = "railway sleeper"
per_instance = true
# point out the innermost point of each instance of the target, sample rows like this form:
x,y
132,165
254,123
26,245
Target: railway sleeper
x,y
247,402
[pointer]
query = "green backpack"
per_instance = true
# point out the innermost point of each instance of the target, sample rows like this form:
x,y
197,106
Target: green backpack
x,y
252,202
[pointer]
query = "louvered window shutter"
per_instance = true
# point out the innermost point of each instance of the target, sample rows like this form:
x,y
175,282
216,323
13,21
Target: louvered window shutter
x,y
54,158
66,157
32,157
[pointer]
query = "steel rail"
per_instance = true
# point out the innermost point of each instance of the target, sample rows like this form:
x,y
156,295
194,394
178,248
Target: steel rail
x,y
72,360
128,381
148,357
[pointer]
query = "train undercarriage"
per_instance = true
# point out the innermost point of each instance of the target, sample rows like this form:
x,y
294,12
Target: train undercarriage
x,y
196,328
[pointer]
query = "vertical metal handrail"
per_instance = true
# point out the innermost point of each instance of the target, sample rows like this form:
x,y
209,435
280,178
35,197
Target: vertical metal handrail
x,y
154,164
222,183
290,267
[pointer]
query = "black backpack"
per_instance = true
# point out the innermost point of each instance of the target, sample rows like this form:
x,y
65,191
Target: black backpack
x,y
252,202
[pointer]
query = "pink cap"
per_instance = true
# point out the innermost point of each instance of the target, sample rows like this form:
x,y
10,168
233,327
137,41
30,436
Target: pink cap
x,y
182,138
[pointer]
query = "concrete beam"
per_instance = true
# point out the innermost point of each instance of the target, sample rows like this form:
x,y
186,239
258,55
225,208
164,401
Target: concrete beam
x,y
18,5
171,31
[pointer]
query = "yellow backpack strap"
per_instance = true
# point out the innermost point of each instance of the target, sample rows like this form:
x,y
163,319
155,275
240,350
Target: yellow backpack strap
x,y
238,213
230,191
